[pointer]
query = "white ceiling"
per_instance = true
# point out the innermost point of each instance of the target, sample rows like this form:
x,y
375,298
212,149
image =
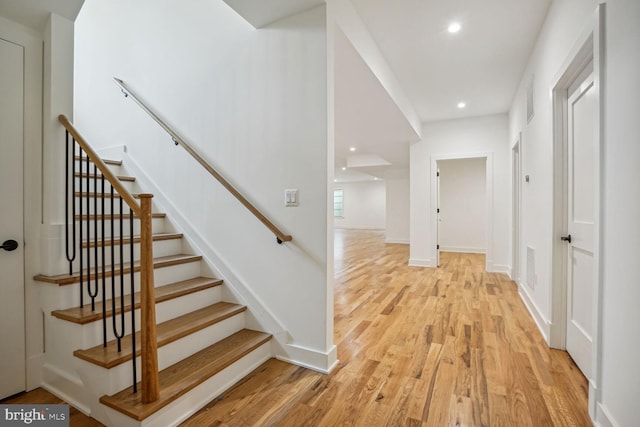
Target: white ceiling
x,y
34,13
481,65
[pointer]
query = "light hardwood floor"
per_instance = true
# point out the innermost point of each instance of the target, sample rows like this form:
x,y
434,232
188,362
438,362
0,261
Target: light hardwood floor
x,y
452,346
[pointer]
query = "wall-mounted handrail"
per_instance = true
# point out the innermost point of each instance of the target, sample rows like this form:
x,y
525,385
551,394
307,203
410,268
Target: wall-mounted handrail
x,y
149,352
280,236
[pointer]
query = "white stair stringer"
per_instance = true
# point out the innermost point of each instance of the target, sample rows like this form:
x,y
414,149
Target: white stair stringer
x,y
188,404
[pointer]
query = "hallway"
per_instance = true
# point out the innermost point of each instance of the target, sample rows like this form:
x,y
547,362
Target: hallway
x,y
452,346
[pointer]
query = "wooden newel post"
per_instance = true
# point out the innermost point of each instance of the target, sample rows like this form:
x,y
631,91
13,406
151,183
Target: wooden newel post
x,y
149,346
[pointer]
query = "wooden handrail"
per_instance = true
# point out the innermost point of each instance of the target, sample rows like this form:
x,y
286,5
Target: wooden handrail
x,y
109,176
280,236
150,384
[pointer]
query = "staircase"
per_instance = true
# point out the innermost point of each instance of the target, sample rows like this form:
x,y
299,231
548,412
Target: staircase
x,y
203,346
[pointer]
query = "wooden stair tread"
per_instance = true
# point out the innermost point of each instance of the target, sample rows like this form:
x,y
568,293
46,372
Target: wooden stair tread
x,y
136,239
84,314
108,162
99,176
167,332
185,375
116,216
166,261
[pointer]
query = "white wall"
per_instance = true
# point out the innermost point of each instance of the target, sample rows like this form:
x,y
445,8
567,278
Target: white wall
x,y
254,102
463,201
397,210
364,205
474,137
614,390
565,21
620,370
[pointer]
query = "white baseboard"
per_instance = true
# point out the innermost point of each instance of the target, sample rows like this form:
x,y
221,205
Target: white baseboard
x,y
415,262
498,268
464,250
542,323
65,386
397,241
323,362
604,417
34,371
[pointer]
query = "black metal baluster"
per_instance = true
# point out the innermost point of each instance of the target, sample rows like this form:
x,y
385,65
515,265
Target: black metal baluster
x,y
81,225
94,294
70,169
133,311
122,313
113,270
104,293
88,183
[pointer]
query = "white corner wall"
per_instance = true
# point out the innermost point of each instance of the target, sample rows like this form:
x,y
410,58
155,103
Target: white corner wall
x,y
463,201
485,136
364,205
254,103
397,210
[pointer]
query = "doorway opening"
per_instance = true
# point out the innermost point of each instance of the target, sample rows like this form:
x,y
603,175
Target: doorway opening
x,y
457,188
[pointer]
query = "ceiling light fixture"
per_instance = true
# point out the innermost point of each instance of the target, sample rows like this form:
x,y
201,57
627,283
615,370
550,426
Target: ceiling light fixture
x,y
461,105
344,169
454,27
352,149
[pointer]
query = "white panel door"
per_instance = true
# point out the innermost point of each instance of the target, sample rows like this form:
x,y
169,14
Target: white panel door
x,y
582,139
12,324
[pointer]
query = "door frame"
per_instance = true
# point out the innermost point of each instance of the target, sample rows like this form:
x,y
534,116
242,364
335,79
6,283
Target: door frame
x,y
488,156
33,160
589,46
516,211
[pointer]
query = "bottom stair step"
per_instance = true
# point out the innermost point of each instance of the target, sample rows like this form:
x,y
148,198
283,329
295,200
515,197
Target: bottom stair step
x,y
178,379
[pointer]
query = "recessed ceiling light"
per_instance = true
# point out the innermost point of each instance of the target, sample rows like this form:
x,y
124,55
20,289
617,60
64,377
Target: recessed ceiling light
x,y
454,27
352,149
461,105
344,169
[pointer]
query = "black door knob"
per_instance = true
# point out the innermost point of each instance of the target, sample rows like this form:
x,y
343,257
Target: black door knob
x,y
9,245
566,238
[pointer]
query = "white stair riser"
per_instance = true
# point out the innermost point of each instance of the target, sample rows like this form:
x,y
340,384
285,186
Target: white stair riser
x,y
187,405
90,334
54,297
157,225
82,165
92,205
161,248
82,183
110,381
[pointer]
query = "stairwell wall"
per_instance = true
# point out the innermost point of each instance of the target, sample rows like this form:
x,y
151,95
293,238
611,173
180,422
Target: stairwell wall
x,y
254,103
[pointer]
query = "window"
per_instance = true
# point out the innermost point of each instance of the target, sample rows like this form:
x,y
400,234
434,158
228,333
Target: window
x,y
338,203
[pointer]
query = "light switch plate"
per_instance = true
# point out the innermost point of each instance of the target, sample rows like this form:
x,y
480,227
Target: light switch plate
x,y
291,197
